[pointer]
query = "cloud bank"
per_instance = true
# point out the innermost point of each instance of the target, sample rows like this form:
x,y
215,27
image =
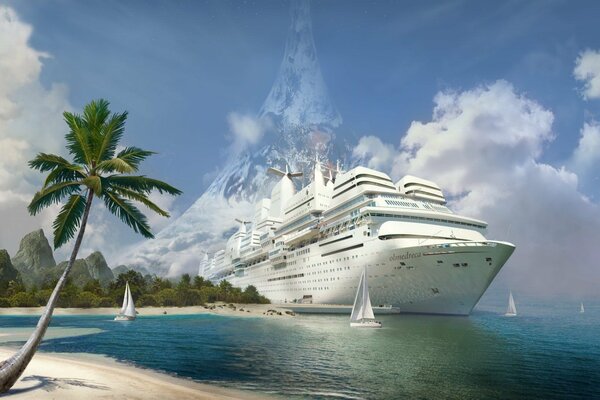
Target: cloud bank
x,y
586,157
483,147
30,122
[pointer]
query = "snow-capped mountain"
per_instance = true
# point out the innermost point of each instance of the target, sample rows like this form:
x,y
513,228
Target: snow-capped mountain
x,y
304,118
299,95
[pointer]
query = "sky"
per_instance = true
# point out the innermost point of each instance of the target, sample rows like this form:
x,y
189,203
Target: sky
x,y
400,74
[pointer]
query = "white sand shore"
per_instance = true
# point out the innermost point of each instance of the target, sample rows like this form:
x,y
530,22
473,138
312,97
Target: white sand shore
x,y
249,310
83,376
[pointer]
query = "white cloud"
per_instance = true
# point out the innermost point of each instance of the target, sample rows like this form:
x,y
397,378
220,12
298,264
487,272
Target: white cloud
x,y
164,201
377,154
483,147
30,122
586,157
587,69
246,130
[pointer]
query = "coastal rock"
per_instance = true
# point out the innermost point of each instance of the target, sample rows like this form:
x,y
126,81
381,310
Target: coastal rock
x,y
7,271
98,268
79,274
33,258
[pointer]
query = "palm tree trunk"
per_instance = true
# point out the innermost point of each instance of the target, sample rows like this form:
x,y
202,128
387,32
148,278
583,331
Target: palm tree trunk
x,y
12,368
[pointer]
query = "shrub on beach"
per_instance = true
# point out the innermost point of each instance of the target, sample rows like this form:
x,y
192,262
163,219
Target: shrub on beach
x,y
87,300
107,302
42,296
148,300
208,294
23,299
168,298
4,302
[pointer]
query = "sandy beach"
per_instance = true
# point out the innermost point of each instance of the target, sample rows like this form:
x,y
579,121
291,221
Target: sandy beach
x,y
83,376
238,310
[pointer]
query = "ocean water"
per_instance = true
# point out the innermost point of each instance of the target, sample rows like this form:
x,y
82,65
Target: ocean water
x,y
550,351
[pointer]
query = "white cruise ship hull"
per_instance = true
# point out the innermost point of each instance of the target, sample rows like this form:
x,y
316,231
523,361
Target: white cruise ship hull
x,y
309,248
444,278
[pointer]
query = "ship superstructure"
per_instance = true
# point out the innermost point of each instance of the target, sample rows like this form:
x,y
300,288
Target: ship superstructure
x,y
311,245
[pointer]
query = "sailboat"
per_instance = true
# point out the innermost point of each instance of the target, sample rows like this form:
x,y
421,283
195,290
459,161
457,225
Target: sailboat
x,y
511,311
362,312
581,309
127,312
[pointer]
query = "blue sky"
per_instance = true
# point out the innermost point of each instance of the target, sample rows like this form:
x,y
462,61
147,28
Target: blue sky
x,y
181,67
498,102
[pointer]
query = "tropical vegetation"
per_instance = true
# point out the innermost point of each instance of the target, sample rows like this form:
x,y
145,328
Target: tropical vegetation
x,y
147,291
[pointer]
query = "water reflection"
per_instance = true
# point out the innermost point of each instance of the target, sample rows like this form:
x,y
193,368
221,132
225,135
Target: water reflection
x,y
483,356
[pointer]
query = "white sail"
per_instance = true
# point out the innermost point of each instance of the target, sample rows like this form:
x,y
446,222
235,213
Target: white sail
x,y
357,310
362,303
581,309
512,309
367,309
130,310
125,298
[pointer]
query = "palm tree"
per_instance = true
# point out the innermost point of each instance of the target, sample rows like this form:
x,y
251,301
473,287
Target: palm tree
x,y
96,171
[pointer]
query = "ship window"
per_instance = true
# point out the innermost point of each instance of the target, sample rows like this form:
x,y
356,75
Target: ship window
x,y
456,265
464,264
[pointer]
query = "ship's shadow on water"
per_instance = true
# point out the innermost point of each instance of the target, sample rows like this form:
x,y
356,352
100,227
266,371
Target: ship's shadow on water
x,y
543,355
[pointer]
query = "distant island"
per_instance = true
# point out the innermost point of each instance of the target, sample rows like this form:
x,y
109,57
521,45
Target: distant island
x,y
29,278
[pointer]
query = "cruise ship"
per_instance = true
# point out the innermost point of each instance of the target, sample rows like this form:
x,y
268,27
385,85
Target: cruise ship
x,y
310,246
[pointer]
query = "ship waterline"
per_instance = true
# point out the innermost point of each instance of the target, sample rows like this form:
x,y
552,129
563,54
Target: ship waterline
x,y
311,246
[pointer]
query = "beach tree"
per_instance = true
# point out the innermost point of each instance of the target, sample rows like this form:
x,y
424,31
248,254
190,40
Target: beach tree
x,y
97,170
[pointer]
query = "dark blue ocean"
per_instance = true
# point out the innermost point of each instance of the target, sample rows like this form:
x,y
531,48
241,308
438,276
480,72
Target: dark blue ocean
x,y
550,351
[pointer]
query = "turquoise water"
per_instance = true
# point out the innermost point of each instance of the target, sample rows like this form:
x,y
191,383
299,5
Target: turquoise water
x,y
549,351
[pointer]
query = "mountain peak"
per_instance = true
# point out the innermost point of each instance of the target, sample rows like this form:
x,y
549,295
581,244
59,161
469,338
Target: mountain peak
x,y
299,95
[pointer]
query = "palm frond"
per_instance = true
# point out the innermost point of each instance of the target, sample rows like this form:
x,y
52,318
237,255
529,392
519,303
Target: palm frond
x,y
47,162
132,195
126,162
66,223
127,212
52,194
64,174
134,155
78,139
115,165
110,135
142,184
94,183
95,114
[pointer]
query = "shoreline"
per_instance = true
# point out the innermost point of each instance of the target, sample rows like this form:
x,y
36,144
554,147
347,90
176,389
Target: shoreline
x,y
240,310
82,375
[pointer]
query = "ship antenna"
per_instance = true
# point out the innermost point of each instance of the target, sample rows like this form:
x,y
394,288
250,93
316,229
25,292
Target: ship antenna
x,y
287,172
